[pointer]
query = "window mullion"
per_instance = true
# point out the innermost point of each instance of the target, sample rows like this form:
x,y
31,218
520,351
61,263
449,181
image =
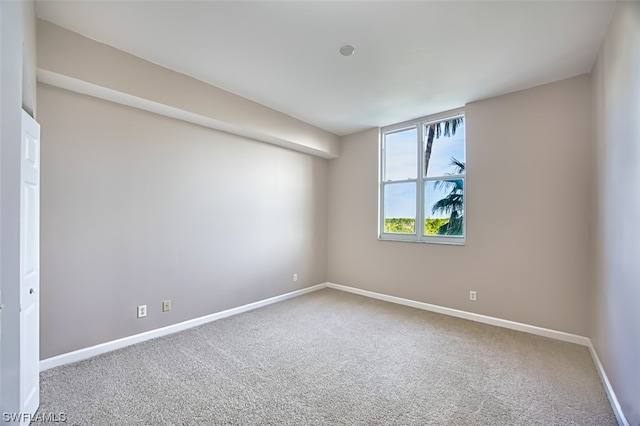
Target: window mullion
x,y
446,177
381,201
420,185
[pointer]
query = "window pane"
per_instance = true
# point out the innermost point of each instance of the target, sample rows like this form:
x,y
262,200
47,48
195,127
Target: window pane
x,y
444,151
444,207
400,208
401,161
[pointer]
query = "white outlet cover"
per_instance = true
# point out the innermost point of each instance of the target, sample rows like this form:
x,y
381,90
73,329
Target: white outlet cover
x,y
142,311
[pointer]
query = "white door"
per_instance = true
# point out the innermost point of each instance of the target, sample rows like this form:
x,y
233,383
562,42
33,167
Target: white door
x,y
30,266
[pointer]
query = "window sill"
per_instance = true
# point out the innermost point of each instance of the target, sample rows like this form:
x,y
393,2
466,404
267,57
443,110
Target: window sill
x,y
442,241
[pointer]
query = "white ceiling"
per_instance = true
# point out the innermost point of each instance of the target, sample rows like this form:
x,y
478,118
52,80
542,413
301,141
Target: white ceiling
x,y
412,58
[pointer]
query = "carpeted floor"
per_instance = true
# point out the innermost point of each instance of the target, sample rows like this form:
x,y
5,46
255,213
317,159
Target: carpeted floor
x,y
334,358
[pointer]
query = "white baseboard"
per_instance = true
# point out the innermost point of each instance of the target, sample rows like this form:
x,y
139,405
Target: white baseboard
x,y
613,399
532,329
89,352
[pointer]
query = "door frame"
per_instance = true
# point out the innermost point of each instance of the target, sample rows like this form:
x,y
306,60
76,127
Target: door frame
x,y
11,101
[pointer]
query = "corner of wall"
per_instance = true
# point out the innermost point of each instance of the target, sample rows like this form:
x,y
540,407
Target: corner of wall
x,y
29,96
614,318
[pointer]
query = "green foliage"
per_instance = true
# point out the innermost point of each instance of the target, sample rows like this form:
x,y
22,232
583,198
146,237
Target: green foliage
x,y
433,226
405,225
401,225
453,227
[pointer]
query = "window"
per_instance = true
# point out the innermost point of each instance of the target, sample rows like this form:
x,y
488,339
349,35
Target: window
x,y
423,180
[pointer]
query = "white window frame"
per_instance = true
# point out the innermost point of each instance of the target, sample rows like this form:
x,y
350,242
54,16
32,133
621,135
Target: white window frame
x,y
419,237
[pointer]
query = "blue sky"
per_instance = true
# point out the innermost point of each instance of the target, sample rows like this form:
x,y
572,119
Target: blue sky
x,y
401,164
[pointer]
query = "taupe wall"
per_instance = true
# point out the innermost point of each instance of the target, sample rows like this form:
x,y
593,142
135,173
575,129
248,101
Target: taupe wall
x,y
615,305
138,208
528,235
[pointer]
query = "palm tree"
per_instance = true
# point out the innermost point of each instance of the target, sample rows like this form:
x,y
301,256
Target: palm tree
x,y
453,203
434,130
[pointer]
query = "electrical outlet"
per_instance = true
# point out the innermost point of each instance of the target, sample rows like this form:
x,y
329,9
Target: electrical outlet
x,y
295,277
472,295
142,311
166,306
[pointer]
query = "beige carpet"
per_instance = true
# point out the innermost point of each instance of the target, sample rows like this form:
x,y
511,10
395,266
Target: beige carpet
x,y
334,358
